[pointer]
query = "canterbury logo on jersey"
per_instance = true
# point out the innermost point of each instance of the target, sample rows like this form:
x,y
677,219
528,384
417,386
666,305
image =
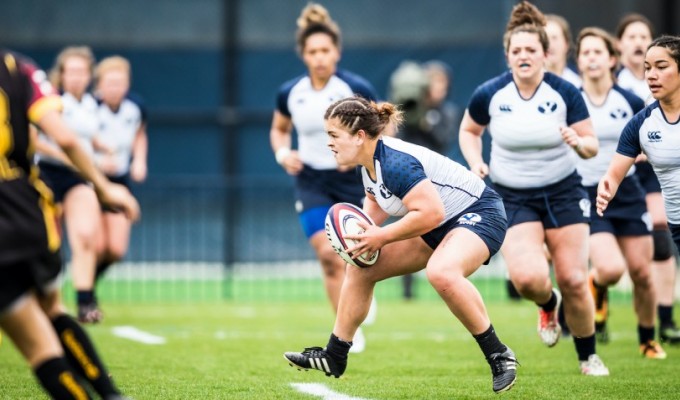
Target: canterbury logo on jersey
x,y
547,107
618,114
320,363
505,108
654,136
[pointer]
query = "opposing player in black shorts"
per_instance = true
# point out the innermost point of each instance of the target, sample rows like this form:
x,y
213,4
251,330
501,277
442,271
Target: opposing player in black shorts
x,y
31,312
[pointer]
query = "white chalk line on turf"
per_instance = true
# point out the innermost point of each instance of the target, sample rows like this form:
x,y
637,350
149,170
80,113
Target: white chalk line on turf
x,y
134,334
322,391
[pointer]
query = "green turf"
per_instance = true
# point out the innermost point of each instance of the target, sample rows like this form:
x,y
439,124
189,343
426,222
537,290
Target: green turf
x,y
416,350
272,290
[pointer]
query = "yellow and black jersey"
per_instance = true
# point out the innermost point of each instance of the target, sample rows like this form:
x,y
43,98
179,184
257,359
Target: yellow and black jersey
x,y
27,223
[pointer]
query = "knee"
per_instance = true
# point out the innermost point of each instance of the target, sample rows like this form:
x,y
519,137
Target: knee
x,y
641,275
573,285
51,304
331,263
442,280
609,274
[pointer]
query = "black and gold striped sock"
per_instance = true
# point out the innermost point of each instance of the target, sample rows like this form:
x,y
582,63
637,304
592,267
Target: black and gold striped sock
x,y
59,381
82,355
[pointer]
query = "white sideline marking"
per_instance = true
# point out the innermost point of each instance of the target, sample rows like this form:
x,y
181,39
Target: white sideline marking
x,y
321,390
134,334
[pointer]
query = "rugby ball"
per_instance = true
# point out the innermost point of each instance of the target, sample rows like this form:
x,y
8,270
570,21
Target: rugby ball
x,y
342,219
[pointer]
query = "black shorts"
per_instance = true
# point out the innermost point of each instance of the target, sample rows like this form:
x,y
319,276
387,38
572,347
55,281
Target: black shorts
x,y
647,177
486,218
121,180
39,273
60,179
559,204
626,214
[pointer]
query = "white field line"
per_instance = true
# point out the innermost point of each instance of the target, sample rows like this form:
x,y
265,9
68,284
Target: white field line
x,y
136,335
322,391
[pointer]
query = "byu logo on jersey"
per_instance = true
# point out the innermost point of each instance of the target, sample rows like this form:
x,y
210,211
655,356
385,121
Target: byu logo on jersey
x,y
547,107
386,194
584,205
618,114
470,219
654,136
505,108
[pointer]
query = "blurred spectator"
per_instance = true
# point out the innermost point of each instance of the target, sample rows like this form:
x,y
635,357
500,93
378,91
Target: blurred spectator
x,y
430,119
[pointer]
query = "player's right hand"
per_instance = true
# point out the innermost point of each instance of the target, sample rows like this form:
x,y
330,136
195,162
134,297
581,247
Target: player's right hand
x,y
118,197
292,163
480,169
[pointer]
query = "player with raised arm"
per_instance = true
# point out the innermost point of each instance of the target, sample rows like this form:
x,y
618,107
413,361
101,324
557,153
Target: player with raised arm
x,y
635,33
539,124
622,239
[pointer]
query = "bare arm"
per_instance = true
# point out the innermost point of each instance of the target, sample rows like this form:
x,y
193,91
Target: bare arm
x,y
425,212
43,148
470,141
609,184
111,194
140,147
280,137
581,137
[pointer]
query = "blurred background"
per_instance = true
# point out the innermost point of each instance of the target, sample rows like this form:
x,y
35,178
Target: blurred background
x,y
218,211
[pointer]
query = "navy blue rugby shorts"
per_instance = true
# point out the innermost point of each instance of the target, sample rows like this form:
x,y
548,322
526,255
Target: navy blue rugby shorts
x,y
559,204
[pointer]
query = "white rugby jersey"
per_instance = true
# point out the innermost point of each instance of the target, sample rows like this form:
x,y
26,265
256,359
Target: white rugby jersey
x,y
609,119
399,166
649,132
117,130
527,150
572,77
81,117
628,81
306,106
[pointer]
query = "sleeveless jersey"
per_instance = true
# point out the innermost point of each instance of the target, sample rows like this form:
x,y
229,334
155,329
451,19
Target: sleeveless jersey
x,y
27,222
306,106
649,132
399,166
527,150
609,119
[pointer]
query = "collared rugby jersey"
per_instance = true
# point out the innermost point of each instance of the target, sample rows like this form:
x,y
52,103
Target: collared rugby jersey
x,y
306,106
527,150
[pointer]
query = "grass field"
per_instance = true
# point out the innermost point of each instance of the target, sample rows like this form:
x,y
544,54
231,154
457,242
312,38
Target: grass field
x,y
415,350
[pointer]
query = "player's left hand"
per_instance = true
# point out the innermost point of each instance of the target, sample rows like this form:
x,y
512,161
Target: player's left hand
x,y
570,137
369,241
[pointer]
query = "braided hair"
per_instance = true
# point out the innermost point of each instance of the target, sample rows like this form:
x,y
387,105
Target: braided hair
x,y
356,113
670,43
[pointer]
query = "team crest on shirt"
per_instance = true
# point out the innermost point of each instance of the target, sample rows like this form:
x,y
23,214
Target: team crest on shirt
x,y
507,108
547,107
618,114
470,219
654,136
584,205
386,194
